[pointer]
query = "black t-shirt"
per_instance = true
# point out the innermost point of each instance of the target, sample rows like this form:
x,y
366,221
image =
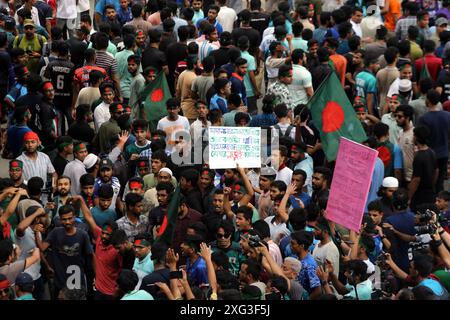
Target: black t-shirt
x,y
259,21
60,72
59,163
424,165
166,40
253,36
220,56
319,74
152,57
148,283
77,49
128,258
67,252
42,122
5,65
443,81
81,131
175,53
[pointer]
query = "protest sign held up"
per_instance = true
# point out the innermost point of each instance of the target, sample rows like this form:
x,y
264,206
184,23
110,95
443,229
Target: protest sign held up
x,y
351,183
231,145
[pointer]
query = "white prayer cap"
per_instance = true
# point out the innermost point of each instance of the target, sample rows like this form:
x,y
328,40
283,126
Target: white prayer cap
x,y
390,182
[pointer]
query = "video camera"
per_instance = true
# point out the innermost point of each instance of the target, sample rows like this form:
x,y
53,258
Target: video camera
x,y
48,189
255,241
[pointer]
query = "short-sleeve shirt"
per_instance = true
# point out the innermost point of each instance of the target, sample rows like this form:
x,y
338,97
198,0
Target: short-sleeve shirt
x,y
36,168
67,252
197,272
102,217
115,183
251,66
307,276
366,83
108,263
301,79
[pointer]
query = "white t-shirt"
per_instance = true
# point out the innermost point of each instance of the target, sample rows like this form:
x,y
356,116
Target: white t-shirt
x,y
171,128
83,5
34,15
101,115
66,9
226,18
277,231
370,266
301,79
284,175
329,252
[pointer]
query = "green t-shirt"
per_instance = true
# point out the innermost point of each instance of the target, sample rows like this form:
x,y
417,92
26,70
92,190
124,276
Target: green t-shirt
x,y
35,45
251,66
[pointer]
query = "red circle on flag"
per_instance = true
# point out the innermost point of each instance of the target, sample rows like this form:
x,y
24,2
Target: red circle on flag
x,y
385,155
157,95
332,117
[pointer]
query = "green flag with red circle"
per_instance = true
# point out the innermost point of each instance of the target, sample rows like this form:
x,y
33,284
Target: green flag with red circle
x,y
167,229
333,115
155,95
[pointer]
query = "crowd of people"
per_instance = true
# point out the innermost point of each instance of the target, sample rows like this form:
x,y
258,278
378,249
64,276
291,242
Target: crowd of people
x,y
86,210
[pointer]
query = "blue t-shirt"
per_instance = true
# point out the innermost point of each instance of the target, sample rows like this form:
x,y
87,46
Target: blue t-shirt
x,y
100,7
377,180
15,138
304,197
307,276
101,217
238,87
217,25
124,16
434,285
403,222
217,102
197,272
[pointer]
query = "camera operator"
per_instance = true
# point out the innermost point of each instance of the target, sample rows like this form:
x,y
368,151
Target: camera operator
x,y
381,235
420,274
358,285
401,223
442,202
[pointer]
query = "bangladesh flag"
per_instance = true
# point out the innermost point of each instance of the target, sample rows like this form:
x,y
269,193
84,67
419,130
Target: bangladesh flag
x,y
167,229
424,73
154,97
334,116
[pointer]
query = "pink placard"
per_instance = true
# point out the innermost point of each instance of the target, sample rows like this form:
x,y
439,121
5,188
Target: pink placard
x,y
351,183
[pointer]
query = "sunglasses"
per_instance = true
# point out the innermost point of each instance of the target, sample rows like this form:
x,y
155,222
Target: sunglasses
x,y
222,236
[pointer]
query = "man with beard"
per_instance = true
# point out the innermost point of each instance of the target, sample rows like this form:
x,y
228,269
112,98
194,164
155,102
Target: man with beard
x,y
224,243
206,187
403,116
108,261
16,172
62,190
150,196
106,177
325,249
163,193
388,187
75,168
70,249
46,117
321,180
186,215
133,222
188,185
35,163
216,214
301,160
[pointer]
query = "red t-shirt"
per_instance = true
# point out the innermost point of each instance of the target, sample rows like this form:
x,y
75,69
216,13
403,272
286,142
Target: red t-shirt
x,y
108,263
434,65
81,75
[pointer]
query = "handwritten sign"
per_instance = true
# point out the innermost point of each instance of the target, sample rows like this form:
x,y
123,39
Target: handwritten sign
x,y
231,145
351,183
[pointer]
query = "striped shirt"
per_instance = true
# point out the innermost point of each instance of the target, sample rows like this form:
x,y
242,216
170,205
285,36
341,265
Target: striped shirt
x,y
401,29
106,61
36,168
205,49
